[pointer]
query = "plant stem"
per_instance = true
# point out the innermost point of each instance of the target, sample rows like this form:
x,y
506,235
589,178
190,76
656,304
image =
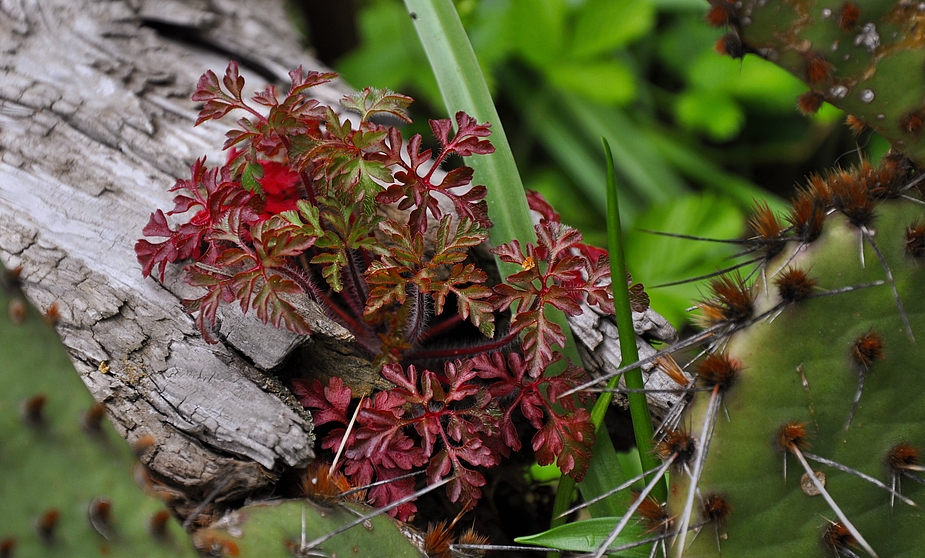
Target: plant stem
x,y
639,405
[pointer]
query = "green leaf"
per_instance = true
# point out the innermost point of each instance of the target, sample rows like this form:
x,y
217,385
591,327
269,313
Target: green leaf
x,y
703,214
587,535
712,112
373,101
452,247
750,79
472,304
307,218
250,178
639,405
542,473
333,262
606,81
390,57
680,37
537,30
692,164
603,25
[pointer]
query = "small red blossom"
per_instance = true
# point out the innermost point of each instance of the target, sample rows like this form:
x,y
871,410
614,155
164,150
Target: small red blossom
x,y
281,188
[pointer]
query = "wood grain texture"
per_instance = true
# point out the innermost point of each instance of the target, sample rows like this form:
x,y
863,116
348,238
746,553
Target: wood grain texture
x,y
95,125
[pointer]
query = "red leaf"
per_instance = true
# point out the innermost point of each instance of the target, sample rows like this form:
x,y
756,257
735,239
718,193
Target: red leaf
x,y
566,440
385,494
328,404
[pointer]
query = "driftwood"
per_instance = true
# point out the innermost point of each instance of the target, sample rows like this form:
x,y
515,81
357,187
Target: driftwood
x,y
95,125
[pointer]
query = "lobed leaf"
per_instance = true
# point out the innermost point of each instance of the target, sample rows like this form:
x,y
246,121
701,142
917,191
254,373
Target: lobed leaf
x,y
371,101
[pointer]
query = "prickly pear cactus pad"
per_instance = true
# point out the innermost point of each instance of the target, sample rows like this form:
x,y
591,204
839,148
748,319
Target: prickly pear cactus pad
x,y
864,57
826,371
287,529
66,487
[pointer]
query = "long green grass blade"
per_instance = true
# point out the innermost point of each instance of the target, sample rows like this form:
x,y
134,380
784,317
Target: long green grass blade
x,y
639,406
463,88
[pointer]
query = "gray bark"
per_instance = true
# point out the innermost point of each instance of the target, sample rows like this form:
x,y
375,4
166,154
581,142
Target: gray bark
x,y
95,125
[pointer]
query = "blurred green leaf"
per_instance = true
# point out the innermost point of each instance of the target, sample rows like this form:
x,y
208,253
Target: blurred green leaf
x,y
877,147
603,25
606,82
828,114
537,30
751,79
702,170
712,112
488,32
683,38
637,161
543,473
576,210
392,56
656,259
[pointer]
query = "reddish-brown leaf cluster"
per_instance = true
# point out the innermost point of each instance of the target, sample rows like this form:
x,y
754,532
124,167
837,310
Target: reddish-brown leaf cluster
x,y
294,211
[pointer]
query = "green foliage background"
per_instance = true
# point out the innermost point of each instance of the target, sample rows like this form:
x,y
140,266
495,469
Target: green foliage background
x,y
696,136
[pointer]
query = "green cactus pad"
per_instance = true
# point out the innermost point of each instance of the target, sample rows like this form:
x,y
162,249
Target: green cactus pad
x,y
799,366
863,57
66,487
279,530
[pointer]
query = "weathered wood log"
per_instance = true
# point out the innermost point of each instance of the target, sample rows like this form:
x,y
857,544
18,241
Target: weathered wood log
x,y
96,123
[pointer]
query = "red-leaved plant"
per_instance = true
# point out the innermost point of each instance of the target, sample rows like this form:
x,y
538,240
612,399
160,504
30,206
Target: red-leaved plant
x,y
294,211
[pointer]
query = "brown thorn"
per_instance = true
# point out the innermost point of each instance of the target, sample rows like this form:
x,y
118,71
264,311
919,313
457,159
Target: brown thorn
x,y
157,525
849,16
46,524
143,444
817,68
92,420
856,124
437,540
17,309
33,410
52,314
794,285
915,239
809,103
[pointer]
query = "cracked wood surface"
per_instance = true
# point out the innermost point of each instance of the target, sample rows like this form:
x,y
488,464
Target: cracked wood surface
x,y
95,125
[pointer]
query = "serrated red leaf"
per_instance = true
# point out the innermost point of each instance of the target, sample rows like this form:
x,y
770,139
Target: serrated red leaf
x,y
328,403
567,441
567,436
